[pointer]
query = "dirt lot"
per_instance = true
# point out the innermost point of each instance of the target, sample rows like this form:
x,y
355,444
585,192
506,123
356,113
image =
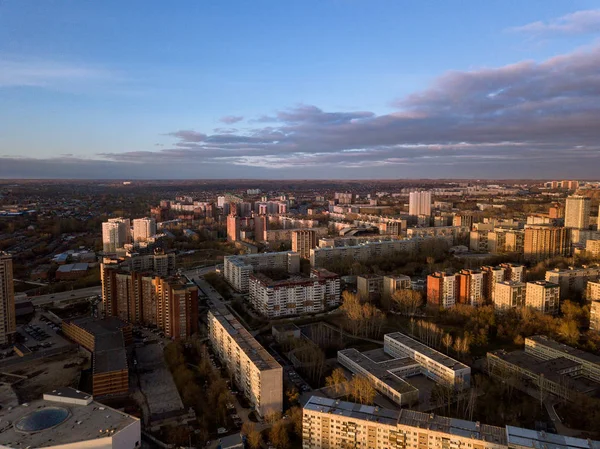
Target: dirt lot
x,y
43,376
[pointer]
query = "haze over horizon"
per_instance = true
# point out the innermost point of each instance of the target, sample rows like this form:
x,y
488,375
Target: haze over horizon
x,y
276,90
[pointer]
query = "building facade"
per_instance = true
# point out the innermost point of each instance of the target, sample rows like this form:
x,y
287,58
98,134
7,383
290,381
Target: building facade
x,y
116,233
441,289
8,324
254,370
543,296
543,242
573,281
303,240
577,212
469,287
419,203
509,295
143,229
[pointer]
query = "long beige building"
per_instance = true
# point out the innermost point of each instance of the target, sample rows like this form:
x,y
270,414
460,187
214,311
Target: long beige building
x,y
332,424
319,257
573,281
8,325
255,371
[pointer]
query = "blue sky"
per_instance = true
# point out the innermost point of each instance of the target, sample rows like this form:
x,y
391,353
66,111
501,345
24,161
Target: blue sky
x,y
301,89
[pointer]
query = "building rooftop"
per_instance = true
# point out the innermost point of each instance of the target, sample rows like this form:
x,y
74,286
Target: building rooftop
x,y
573,352
519,437
252,348
44,422
384,370
545,284
73,267
352,410
425,350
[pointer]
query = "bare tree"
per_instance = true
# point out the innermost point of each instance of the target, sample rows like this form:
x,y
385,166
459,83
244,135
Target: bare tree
x,y
447,342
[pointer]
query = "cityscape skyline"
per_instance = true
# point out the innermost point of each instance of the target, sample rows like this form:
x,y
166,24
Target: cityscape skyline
x,y
333,90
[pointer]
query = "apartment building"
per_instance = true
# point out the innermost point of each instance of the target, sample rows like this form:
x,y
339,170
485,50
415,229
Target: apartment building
x,y
469,287
577,212
573,281
237,269
233,228
491,276
171,303
303,240
254,370
8,324
143,229
453,234
331,423
434,364
295,295
116,232
595,315
385,372
509,295
441,289
393,283
593,247
287,235
543,296
513,272
369,287
319,257
159,262
543,242
419,203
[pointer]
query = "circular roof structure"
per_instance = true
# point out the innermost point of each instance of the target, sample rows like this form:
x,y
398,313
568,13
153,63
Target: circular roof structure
x,y
42,419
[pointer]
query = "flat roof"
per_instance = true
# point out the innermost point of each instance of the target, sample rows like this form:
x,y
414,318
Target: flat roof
x,y
84,422
573,352
252,348
426,351
352,410
73,267
383,370
532,438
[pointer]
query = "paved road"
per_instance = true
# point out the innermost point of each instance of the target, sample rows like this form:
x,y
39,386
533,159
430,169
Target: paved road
x,y
63,296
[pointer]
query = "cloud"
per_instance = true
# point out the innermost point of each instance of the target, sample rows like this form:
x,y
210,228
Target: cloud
x,y
577,23
231,119
526,119
19,72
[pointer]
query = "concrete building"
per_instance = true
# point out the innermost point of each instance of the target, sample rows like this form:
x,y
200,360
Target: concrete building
x,y
453,234
434,365
331,423
143,229
393,283
577,212
344,197
573,281
385,372
319,257
116,233
441,290
509,295
543,296
106,339
160,262
233,228
469,287
595,315
171,303
593,291
419,203
237,269
369,287
593,248
513,272
491,276
544,242
8,324
66,418
254,370
295,295
303,240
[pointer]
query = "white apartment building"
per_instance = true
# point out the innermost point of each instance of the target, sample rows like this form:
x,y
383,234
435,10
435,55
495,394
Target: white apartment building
x,y
254,370
386,373
370,250
434,364
8,324
577,212
237,269
143,229
543,296
509,295
419,203
116,232
452,233
294,296
573,280
331,423
593,291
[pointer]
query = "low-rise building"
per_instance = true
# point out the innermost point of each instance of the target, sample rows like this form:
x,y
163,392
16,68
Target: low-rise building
x,y
369,287
385,372
434,364
254,370
66,418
